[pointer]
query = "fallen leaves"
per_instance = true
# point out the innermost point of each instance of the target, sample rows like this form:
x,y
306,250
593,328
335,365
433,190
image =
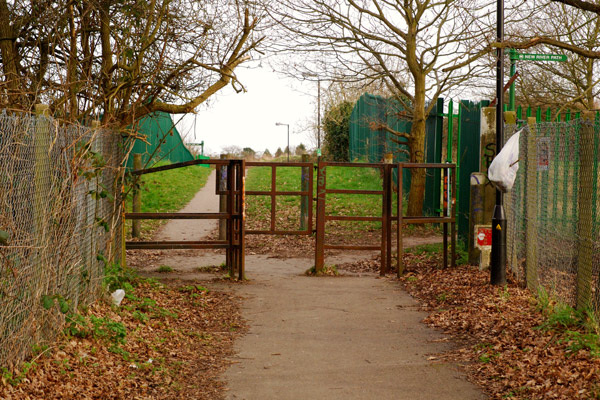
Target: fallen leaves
x,y
501,346
175,347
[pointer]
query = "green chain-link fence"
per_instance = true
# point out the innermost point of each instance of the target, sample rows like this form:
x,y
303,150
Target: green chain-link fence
x,y
553,223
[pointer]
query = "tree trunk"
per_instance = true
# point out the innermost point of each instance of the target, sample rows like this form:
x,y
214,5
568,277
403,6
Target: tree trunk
x,y
9,55
417,154
107,61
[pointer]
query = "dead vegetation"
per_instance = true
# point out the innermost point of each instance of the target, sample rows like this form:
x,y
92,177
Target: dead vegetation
x,y
163,342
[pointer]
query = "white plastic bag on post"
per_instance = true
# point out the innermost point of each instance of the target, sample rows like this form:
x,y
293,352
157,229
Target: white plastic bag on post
x,y
503,170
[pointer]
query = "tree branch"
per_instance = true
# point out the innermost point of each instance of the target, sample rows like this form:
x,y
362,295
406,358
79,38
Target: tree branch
x,y
551,42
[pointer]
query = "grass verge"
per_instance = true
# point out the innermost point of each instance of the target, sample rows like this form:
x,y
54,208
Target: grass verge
x,y
288,207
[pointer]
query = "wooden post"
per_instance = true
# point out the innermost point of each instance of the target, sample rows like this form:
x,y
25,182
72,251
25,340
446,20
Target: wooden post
x,y
137,196
320,239
41,178
221,187
476,213
304,200
585,222
531,210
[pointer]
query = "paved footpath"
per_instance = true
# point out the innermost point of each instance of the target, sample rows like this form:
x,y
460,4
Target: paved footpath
x,y
336,338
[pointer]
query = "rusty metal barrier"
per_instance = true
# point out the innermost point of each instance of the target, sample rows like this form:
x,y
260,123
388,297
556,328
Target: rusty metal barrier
x,y
385,218
234,215
273,193
448,210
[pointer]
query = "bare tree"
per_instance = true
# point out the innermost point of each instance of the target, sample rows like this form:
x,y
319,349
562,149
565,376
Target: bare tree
x,y
122,59
418,49
589,11
573,83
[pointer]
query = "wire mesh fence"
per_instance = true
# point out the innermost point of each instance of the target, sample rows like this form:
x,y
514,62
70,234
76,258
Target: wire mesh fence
x,y
552,211
60,217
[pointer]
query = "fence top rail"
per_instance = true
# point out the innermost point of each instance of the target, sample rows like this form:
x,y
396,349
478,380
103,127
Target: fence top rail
x,y
277,164
426,165
184,164
351,164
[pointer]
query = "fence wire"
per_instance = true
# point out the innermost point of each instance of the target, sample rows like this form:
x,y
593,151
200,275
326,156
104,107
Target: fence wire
x,y
552,211
59,208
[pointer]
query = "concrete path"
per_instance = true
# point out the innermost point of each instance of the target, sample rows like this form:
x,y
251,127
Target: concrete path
x,y
336,338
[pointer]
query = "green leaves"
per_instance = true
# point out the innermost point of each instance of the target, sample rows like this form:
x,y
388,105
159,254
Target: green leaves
x,y
48,302
3,237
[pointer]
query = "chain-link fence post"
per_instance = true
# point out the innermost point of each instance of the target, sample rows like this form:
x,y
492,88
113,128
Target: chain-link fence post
x,y
585,220
41,179
531,206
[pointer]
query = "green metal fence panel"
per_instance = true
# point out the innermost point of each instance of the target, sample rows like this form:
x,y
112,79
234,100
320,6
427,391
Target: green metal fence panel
x,y
370,145
162,141
468,154
433,150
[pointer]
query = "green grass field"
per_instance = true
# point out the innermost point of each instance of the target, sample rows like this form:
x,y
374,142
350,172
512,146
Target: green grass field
x,y
168,191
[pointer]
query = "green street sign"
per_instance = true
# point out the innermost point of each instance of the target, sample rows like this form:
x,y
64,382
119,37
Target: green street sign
x,y
539,57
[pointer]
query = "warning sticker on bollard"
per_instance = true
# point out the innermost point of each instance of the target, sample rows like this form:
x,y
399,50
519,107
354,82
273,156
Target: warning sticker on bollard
x,y
483,236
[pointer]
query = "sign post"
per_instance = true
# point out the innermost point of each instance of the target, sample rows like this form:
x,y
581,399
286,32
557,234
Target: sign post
x,y
514,57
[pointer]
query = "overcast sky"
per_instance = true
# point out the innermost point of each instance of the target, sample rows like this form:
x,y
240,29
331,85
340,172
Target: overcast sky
x,y
248,119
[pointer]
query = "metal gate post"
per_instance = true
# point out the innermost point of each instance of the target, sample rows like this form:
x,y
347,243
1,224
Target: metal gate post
x,y
452,196
384,221
304,202
445,213
389,213
320,237
229,232
242,222
399,205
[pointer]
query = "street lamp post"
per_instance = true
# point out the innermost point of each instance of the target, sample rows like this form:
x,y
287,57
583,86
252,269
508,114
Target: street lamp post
x,y
315,75
288,135
498,256
319,118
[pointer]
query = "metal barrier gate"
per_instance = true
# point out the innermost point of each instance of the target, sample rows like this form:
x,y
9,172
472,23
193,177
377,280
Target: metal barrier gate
x,y
306,194
448,212
234,215
385,218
